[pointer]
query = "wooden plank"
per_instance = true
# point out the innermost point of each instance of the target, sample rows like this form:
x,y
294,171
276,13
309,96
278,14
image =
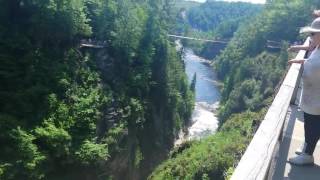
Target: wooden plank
x,y
255,163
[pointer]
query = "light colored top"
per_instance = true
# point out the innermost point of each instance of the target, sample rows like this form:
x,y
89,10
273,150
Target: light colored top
x,y
310,97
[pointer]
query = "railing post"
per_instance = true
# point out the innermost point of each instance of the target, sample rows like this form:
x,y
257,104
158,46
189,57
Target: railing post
x,y
295,91
302,54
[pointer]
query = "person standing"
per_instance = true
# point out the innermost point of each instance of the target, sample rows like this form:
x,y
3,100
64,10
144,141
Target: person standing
x,y
310,47
310,97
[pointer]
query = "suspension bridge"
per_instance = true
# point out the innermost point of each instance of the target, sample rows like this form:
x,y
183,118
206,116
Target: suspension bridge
x,y
198,39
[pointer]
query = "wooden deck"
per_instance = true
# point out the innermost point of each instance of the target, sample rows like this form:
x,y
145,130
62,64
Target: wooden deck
x,y
292,139
279,135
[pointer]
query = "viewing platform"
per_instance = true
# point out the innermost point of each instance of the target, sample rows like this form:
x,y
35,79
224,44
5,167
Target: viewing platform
x,y
279,135
293,137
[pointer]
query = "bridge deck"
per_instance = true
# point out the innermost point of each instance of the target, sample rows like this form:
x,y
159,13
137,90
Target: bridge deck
x,y
91,45
293,137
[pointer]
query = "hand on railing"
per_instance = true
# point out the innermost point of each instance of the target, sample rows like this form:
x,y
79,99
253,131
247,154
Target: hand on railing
x,y
299,61
296,48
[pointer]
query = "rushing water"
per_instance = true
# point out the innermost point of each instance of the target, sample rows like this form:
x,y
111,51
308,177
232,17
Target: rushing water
x,y
204,120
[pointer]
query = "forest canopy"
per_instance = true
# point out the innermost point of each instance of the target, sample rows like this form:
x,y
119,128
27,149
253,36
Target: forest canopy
x,y
71,112
250,72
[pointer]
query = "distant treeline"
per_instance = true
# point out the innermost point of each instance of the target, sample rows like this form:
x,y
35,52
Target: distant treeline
x,y
213,20
218,14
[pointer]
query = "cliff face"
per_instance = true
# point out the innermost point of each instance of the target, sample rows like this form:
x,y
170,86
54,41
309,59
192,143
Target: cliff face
x,y
210,51
70,111
143,117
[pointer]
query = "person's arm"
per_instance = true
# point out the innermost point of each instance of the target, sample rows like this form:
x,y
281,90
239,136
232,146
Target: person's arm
x,y
299,47
299,61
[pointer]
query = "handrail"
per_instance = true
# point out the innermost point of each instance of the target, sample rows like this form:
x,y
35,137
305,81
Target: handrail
x,y
255,162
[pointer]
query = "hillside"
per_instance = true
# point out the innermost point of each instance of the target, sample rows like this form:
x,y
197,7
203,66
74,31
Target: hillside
x,y
185,4
250,72
73,112
213,20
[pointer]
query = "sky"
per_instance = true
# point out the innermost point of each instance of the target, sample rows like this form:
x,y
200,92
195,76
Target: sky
x,y
252,1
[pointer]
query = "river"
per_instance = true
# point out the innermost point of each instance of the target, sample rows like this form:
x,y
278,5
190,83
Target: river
x,y
204,120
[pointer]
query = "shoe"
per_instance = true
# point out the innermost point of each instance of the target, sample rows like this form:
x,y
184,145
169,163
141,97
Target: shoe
x,y
302,160
301,149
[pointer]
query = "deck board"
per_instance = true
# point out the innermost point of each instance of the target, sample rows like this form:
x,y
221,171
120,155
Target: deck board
x,y
293,138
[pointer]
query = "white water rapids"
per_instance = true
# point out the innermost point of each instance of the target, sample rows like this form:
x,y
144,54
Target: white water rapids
x,y
204,121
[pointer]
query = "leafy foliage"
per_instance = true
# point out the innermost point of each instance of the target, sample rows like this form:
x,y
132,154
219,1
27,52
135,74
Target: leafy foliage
x,y
71,113
90,152
250,71
213,20
224,15
212,157
249,68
